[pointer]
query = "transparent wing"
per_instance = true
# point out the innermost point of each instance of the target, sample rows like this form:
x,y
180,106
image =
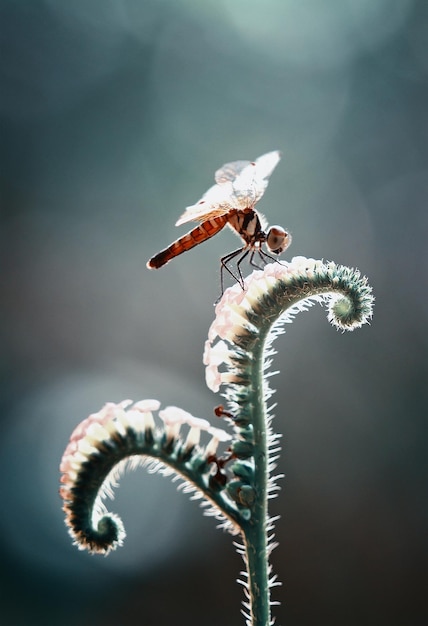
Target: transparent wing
x,y
252,181
218,200
230,171
240,184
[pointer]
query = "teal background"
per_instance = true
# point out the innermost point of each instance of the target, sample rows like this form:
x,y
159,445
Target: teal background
x,y
115,115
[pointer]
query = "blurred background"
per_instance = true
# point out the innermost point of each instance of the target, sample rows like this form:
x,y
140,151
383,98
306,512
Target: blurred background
x,y
115,115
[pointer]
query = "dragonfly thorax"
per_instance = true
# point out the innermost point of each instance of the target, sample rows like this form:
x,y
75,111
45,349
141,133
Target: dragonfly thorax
x,y
247,224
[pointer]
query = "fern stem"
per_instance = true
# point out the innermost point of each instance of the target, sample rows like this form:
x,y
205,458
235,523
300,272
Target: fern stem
x,y
255,530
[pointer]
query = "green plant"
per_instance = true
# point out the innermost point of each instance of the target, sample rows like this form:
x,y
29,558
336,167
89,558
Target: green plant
x,y
234,483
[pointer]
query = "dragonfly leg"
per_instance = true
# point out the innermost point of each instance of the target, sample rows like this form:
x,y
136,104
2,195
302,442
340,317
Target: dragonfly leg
x,y
238,267
252,262
224,266
264,256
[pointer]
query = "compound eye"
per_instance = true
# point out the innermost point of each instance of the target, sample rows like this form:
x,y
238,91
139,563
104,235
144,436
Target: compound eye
x,y
277,239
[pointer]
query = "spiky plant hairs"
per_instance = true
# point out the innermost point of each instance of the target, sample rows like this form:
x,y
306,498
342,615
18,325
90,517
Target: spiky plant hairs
x,y
238,355
236,486
121,436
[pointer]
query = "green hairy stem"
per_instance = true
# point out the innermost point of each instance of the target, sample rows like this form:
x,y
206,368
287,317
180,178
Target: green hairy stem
x,y
232,472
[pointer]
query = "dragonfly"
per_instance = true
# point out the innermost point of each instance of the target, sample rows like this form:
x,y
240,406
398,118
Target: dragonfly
x,y
231,202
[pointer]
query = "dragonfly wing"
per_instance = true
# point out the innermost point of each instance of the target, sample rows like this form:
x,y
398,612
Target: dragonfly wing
x,y
230,171
240,184
267,163
215,202
254,178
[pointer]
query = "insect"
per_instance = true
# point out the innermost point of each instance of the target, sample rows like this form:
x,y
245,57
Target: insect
x,y
231,201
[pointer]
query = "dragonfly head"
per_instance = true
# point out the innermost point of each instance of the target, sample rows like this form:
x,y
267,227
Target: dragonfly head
x,y
277,239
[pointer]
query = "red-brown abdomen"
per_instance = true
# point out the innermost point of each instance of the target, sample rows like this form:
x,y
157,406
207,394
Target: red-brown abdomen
x,y
190,240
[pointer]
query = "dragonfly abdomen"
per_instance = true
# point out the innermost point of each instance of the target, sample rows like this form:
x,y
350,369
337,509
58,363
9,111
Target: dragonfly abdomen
x,y
196,236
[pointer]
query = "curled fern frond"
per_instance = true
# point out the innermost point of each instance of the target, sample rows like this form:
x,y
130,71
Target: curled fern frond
x,y
234,486
125,435
238,355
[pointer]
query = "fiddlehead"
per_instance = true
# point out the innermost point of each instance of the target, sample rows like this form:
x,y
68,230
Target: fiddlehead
x,y
125,434
238,354
236,487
